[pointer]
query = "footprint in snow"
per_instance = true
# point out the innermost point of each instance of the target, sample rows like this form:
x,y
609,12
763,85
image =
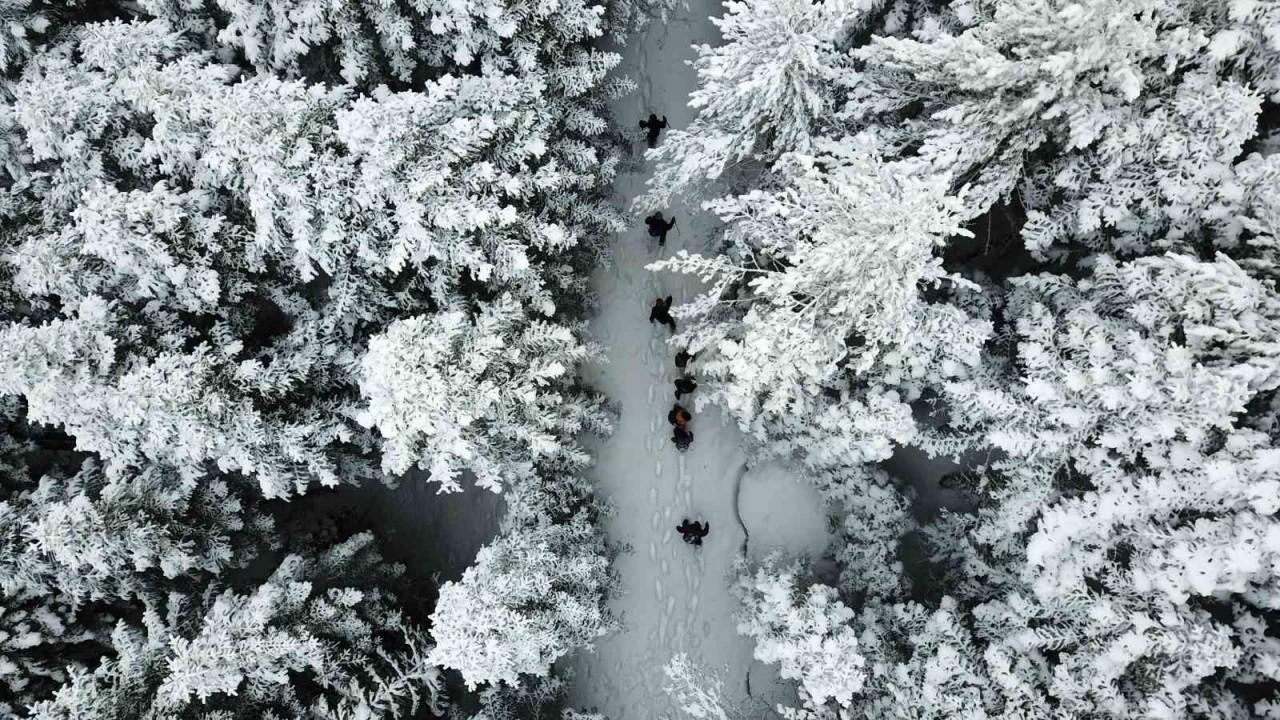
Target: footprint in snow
x,y
653,551
657,588
706,629
664,566
666,513
666,536
671,606
655,520
657,468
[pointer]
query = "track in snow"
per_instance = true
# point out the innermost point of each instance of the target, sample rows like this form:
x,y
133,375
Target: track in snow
x,y
675,597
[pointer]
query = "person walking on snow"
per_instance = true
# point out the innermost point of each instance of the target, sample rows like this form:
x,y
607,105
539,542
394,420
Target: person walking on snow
x,y
654,126
693,532
679,416
661,312
685,386
681,437
682,359
659,228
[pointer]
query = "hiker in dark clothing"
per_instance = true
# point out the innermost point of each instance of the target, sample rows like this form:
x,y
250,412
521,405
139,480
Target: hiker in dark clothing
x,y
654,126
659,228
693,532
685,386
661,312
682,437
679,416
682,359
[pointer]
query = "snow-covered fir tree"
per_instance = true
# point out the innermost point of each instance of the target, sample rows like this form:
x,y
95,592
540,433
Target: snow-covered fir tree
x,y
531,597
369,40
1121,561
699,695
450,393
96,539
227,227
230,286
803,627
301,644
1117,123
761,93
875,516
815,326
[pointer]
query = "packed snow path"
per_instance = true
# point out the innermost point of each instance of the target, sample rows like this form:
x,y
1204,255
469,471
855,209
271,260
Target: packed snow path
x,y
675,598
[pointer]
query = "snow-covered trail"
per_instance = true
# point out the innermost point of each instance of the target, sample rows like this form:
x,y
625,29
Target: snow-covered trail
x,y
675,598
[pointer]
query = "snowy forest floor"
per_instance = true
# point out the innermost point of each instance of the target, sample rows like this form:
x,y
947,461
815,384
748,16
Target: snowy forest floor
x,y
674,598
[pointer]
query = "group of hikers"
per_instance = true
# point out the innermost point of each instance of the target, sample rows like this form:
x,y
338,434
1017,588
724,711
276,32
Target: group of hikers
x,y
679,416
658,226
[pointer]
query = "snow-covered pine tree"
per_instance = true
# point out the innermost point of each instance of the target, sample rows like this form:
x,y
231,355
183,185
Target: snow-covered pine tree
x,y
30,24
801,625
762,93
1130,485
1117,123
927,664
874,516
1127,408
559,511
368,41
370,44
124,538
200,255
187,312
773,86
818,309
493,395
1121,563
481,186
533,698
699,694
320,638
25,22
261,257
74,552
532,596
41,633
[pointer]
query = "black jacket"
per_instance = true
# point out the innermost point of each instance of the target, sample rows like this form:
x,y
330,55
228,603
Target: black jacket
x,y
653,124
658,226
661,311
693,528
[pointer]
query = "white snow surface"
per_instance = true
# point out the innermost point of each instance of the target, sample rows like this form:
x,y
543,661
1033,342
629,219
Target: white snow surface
x,y
782,512
674,597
